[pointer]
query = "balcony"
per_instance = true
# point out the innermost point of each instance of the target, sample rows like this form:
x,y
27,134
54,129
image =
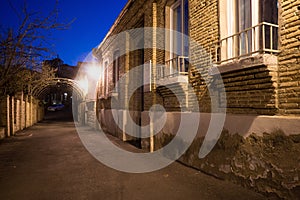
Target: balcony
x,y
175,70
253,46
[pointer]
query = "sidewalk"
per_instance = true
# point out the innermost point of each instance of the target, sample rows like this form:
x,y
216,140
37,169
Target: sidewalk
x,y
48,161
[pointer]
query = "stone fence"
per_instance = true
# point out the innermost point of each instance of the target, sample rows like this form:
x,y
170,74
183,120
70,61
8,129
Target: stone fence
x,y
19,112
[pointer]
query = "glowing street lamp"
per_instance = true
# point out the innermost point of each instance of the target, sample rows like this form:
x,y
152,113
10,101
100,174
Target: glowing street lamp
x,y
84,84
88,77
93,71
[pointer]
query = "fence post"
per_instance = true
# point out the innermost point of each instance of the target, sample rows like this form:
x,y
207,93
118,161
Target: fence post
x,y
27,110
30,111
12,115
18,113
23,112
7,125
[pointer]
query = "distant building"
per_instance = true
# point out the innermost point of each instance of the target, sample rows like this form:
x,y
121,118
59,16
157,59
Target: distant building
x,y
61,70
57,69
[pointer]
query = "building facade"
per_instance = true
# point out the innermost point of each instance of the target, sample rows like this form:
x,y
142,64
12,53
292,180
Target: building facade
x,y
238,57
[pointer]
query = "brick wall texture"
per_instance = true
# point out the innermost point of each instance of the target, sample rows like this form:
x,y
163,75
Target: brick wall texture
x,y
261,84
289,58
254,90
204,31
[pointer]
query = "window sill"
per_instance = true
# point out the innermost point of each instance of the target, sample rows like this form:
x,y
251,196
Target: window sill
x,y
244,63
173,79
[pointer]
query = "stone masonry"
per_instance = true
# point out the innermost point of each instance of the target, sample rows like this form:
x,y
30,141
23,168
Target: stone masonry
x,y
289,58
18,113
263,87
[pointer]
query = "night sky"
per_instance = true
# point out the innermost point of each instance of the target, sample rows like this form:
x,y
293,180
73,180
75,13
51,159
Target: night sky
x,y
93,19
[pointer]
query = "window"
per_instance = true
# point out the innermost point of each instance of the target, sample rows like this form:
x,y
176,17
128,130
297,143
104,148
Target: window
x,y
116,64
269,14
247,27
245,22
180,23
105,79
237,17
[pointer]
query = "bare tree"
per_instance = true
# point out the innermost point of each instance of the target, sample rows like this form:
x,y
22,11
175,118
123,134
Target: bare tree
x,y
23,48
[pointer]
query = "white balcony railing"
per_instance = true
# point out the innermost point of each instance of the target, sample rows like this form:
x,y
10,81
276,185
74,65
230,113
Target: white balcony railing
x,y
174,67
259,39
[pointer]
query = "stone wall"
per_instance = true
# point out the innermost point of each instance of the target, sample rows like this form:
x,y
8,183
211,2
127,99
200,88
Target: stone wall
x,y
289,58
91,114
263,155
267,164
18,113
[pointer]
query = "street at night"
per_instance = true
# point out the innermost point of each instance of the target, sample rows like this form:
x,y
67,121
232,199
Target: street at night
x,y
150,99
48,161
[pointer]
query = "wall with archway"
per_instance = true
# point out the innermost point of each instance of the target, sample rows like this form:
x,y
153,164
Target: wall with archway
x,y
41,89
21,111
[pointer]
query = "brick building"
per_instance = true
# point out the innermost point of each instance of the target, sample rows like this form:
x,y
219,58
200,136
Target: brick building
x,y
253,45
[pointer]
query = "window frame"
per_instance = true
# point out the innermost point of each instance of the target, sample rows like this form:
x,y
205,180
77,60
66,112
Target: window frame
x,y
105,78
183,27
116,69
230,25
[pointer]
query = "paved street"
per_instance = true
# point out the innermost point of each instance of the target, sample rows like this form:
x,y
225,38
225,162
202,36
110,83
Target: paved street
x,y
48,161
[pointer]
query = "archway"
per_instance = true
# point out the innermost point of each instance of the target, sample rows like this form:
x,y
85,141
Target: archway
x,y
66,91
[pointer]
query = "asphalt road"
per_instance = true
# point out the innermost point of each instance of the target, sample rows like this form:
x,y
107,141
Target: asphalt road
x,y
48,161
